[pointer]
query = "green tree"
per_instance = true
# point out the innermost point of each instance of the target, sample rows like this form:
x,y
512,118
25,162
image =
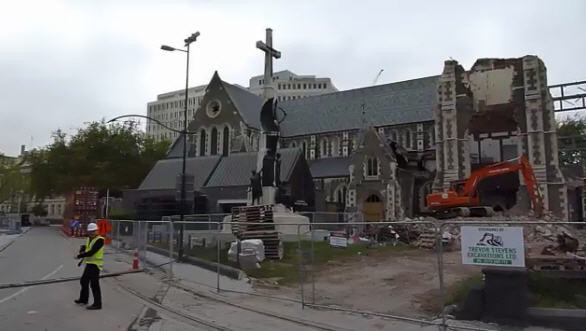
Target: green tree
x,y
572,140
100,155
12,181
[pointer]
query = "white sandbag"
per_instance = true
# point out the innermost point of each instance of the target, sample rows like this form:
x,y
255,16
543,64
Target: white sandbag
x,y
248,259
233,252
255,245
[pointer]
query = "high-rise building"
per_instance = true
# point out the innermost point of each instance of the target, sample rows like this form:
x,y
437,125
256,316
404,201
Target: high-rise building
x,y
290,86
168,109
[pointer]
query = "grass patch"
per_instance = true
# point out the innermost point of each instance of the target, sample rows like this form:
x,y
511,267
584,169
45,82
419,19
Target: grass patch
x,y
287,269
456,293
204,253
548,292
544,292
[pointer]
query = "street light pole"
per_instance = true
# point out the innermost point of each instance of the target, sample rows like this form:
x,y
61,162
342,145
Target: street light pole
x,y
184,133
188,41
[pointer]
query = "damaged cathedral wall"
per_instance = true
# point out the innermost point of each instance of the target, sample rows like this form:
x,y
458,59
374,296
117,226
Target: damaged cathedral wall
x,y
498,96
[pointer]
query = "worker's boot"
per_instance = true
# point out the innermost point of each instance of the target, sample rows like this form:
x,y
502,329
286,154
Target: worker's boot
x,y
94,307
79,302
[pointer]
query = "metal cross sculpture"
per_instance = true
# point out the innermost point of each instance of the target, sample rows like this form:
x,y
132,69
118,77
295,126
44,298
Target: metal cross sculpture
x,y
270,53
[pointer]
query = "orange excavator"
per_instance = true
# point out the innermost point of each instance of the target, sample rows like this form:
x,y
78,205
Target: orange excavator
x,y
462,199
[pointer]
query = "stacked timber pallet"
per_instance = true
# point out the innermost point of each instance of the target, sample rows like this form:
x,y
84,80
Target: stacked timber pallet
x,y
246,227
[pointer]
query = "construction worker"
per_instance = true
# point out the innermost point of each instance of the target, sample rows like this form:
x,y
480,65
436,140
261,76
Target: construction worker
x,y
92,254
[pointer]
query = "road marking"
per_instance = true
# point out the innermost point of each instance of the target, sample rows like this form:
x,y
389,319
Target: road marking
x,y
22,290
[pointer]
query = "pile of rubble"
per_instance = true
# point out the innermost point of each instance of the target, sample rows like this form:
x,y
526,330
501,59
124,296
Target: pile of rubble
x,y
541,238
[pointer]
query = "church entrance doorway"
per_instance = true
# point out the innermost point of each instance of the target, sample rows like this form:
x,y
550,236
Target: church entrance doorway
x,y
372,208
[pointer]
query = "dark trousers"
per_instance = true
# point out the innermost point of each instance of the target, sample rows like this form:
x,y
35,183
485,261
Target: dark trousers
x,y
90,278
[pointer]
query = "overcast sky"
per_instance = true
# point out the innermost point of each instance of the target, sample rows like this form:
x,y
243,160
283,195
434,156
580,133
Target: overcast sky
x,y
64,63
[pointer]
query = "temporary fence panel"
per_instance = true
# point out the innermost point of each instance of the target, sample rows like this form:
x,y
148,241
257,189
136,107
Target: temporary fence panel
x,y
403,257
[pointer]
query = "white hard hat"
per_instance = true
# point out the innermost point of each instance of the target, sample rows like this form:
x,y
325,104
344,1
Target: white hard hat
x,y
92,227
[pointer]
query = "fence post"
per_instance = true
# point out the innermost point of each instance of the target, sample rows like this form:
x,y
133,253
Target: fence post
x,y
218,244
171,250
145,224
440,264
300,257
312,270
119,243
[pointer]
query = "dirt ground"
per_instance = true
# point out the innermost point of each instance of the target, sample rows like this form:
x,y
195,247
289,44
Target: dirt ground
x,y
405,283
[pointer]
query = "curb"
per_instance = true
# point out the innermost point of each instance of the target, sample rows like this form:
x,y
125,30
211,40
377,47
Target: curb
x,y
225,270
24,230
7,245
566,319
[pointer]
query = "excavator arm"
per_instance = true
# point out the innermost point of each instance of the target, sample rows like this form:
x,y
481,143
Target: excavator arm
x,y
531,184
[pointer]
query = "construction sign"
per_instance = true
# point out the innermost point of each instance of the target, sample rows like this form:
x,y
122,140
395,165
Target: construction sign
x,y
493,246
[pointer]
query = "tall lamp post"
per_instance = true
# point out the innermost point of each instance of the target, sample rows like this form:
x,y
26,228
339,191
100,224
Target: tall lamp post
x,y
188,41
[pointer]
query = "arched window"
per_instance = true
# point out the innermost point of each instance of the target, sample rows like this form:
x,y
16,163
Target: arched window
x,y
432,136
192,144
341,196
214,141
317,150
408,139
372,166
226,142
331,147
293,144
202,142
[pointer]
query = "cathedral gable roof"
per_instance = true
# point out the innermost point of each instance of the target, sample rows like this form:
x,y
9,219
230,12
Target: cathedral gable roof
x,y
248,104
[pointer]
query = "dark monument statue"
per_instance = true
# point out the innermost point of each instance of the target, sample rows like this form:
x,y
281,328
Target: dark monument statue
x,y
270,126
255,187
278,170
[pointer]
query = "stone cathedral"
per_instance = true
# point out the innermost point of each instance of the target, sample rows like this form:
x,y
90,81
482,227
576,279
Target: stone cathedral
x,y
378,150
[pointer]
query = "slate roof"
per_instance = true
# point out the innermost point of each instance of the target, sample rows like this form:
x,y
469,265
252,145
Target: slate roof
x,y
163,175
391,104
176,149
248,104
330,167
234,170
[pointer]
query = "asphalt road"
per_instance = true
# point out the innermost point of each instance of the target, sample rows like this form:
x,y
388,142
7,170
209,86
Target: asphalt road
x,y
43,253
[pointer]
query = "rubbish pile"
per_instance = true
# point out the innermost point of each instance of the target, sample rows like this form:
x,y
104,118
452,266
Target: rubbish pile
x,y
541,239
551,239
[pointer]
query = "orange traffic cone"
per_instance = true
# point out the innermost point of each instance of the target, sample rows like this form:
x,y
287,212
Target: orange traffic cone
x,y
135,260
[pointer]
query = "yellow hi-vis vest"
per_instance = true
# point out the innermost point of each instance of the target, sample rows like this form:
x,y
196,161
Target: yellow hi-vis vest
x,y
98,256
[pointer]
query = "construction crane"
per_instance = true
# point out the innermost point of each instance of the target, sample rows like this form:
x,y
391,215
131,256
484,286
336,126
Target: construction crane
x,y
462,199
377,76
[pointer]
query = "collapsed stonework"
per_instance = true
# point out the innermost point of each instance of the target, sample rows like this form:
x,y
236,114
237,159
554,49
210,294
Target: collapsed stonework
x,y
497,110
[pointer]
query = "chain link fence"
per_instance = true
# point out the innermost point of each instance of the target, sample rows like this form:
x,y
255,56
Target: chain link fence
x,y
409,270
10,223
